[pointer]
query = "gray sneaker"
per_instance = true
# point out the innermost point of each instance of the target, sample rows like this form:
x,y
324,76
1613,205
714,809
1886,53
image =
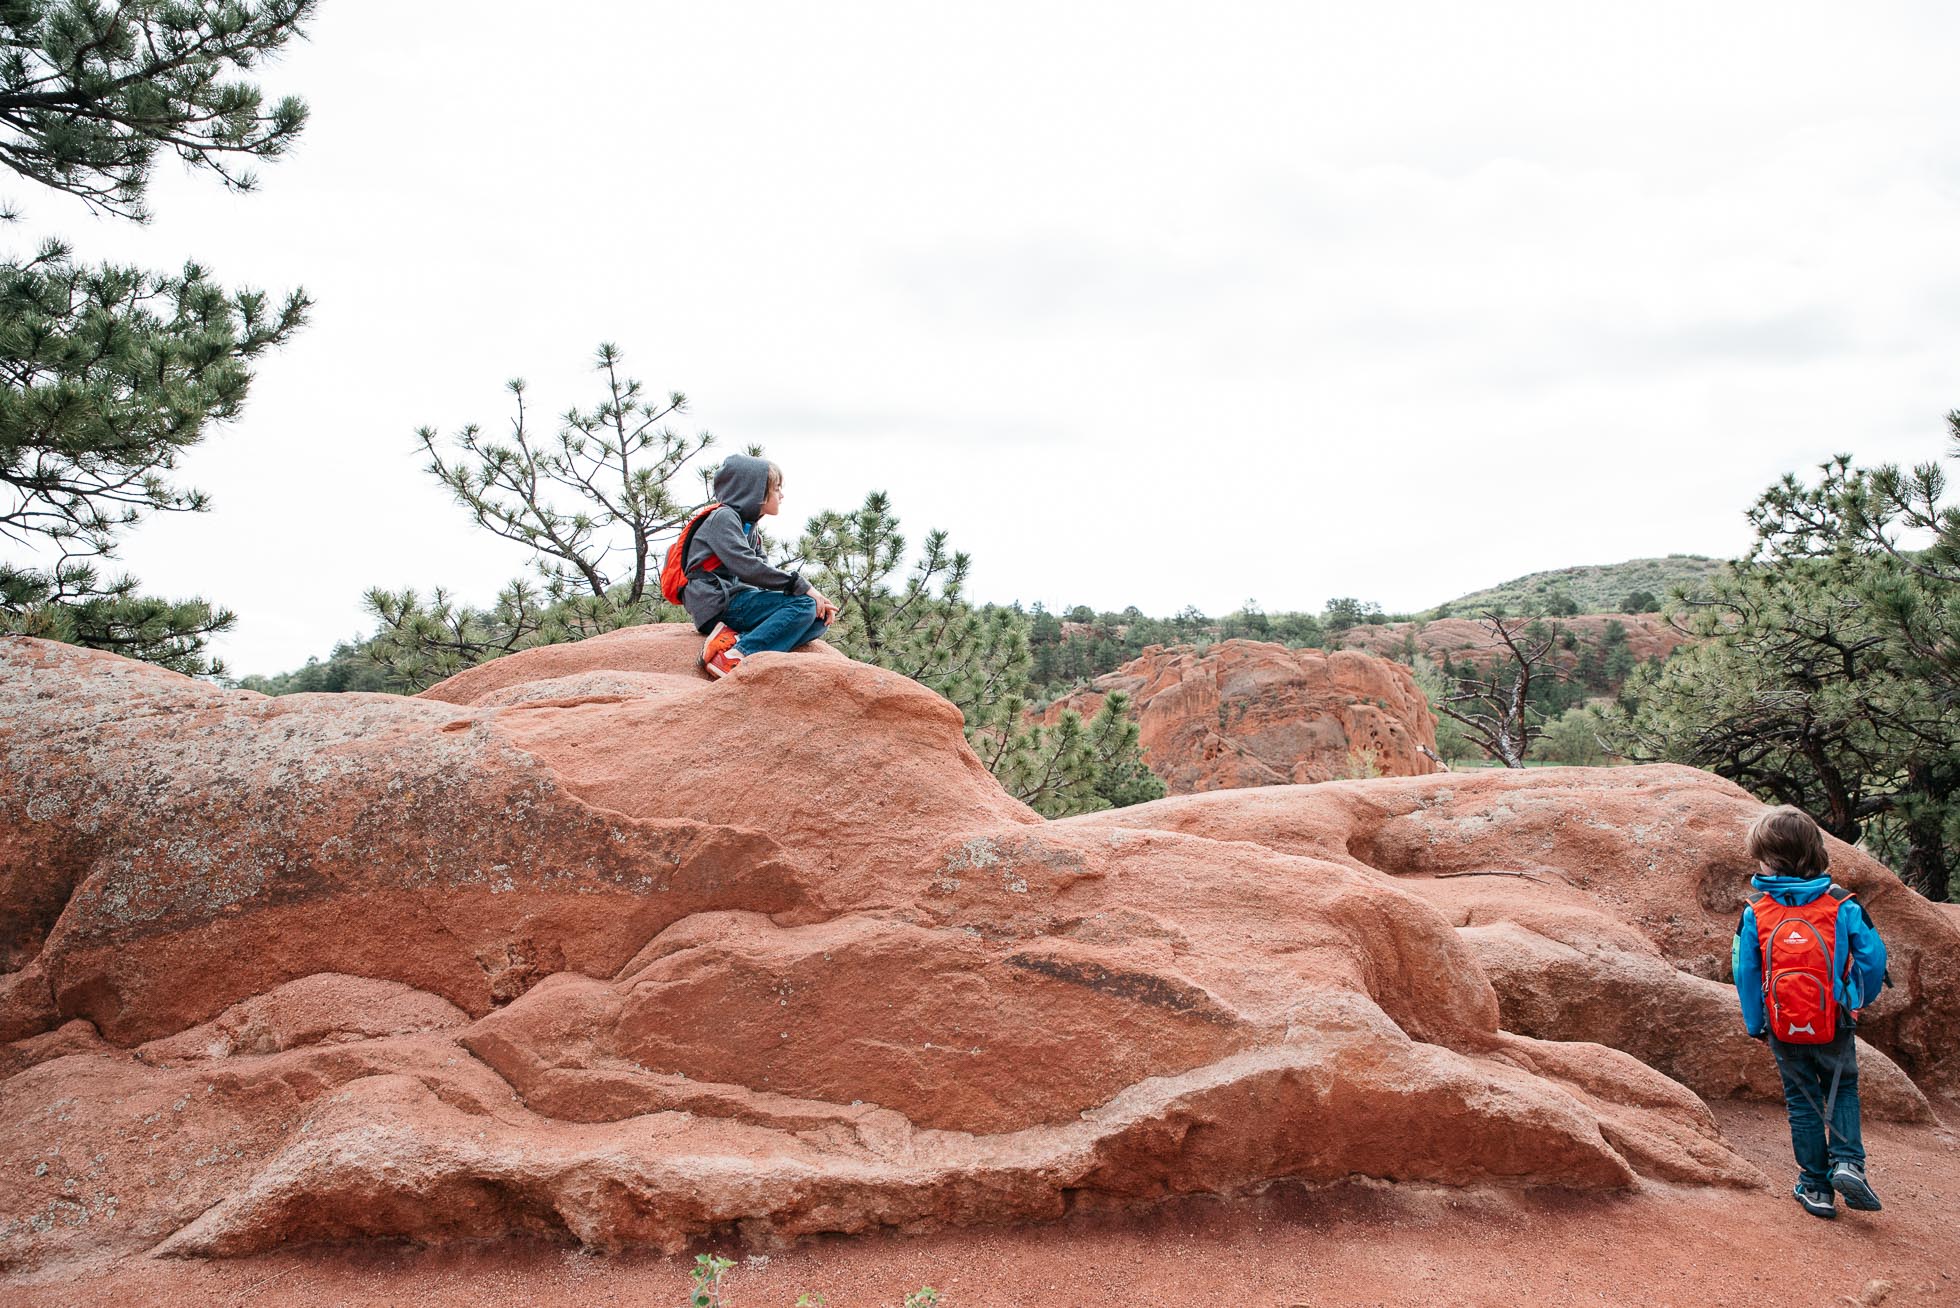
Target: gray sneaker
x,y
1818,1203
1848,1179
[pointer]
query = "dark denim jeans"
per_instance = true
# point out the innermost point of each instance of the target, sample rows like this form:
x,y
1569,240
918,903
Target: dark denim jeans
x,y
771,621
1807,1070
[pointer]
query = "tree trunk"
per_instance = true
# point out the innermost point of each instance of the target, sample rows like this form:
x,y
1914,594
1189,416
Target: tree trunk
x,y
1926,867
641,548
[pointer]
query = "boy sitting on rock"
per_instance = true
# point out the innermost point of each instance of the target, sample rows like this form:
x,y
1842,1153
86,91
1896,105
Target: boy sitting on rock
x,y
742,604
1805,960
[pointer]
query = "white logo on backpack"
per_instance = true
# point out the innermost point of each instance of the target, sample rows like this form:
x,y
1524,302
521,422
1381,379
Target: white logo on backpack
x,y
1807,1030
1794,938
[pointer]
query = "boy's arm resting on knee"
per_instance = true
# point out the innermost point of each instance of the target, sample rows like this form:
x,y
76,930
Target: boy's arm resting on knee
x,y
1746,966
721,533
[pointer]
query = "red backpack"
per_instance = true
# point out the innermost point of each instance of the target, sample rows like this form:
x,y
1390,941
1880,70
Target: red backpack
x,y
673,573
1798,945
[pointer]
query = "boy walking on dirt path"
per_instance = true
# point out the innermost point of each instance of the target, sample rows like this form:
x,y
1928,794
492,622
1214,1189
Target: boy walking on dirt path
x,y
741,603
1805,959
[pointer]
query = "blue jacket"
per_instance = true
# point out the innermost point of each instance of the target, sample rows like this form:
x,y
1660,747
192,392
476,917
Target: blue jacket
x,y
1854,989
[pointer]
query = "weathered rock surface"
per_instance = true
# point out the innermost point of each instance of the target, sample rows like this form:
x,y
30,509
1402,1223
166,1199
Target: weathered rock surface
x,y
168,849
583,945
647,657
1604,901
1252,713
1580,982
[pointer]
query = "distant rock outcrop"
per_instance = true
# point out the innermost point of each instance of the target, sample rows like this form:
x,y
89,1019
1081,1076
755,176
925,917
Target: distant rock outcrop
x,y
581,945
1468,641
1250,713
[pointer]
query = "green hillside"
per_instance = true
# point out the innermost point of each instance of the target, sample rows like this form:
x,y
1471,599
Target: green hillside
x,y
1598,588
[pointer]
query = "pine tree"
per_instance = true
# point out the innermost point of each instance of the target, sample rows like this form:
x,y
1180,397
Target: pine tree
x,y
1436,681
593,502
89,94
979,658
614,460
108,374
1828,676
348,668
420,642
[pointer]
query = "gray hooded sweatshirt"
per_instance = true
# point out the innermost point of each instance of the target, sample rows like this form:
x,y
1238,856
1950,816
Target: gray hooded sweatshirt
x,y
741,486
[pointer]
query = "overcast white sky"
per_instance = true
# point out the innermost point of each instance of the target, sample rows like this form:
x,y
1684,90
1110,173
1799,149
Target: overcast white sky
x,y
1143,303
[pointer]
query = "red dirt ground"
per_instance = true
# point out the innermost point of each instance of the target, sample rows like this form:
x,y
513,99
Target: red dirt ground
x,y
1357,1244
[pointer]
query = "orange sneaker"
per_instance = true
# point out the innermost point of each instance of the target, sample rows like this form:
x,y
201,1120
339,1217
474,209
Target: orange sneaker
x,y
719,656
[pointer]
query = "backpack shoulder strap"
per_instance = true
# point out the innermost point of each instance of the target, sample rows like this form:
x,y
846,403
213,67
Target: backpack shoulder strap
x,y
1841,894
693,525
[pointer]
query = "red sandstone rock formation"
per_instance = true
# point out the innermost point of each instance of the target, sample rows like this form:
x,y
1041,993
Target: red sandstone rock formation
x,y
1251,713
1601,902
1468,641
582,945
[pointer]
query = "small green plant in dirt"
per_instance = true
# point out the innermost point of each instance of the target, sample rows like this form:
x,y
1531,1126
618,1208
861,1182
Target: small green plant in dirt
x,y
706,1278
809,1301
923,1297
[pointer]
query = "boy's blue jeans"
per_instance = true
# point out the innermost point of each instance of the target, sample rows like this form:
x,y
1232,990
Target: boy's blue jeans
x,y
772,622
1807,1069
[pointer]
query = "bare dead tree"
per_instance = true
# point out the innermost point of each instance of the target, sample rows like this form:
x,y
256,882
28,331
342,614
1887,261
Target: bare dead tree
x,y
1494,704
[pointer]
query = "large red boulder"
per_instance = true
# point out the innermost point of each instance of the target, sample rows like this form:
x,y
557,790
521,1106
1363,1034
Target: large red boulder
x,y
1602,903
586,946
1252,713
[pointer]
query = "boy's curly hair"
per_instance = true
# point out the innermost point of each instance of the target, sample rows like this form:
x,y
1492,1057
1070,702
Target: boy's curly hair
x,y
1787,841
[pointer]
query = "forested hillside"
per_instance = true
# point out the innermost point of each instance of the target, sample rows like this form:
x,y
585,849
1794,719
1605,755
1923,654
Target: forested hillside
x,y
1636,586
1070,646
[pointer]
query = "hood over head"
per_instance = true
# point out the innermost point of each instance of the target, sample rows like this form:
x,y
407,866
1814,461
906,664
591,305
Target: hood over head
x,y
742,484
1791,892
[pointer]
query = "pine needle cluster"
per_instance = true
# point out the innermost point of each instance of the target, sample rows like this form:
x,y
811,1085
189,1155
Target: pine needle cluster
x,y
1828,673
90,92
108,374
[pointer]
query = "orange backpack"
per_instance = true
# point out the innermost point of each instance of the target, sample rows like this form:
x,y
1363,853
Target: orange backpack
x,y
1798,944
673,573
